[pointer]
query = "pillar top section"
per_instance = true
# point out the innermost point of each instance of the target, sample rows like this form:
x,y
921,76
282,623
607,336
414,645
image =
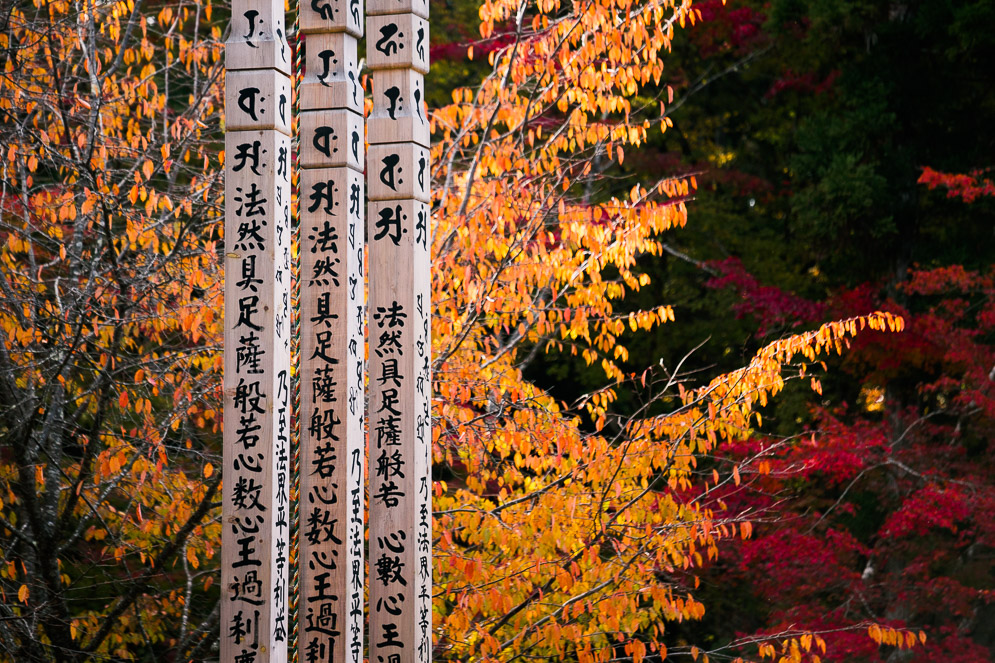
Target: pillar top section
x,y
397,41
257,100
331,16
258,37
416,7
398,108
331,73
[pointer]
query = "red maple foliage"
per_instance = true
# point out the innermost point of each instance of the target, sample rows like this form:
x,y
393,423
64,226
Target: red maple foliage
x,y
772,307
724,27
881,509
968,187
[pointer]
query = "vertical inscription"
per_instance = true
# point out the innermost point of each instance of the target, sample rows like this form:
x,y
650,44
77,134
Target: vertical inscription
x,y
256,453
323,435
400,432
332,396
356,398
255,539
421,291
333,310
400,428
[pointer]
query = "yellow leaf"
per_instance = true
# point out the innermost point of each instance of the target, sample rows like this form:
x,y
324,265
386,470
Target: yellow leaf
x,y
192,558
23,593
745,530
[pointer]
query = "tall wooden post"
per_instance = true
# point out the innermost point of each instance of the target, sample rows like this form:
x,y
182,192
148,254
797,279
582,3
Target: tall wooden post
x,y
255,511
399,335
254,611
332,317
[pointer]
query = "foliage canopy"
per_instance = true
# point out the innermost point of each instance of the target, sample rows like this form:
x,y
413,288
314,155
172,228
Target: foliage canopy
x,y
561,531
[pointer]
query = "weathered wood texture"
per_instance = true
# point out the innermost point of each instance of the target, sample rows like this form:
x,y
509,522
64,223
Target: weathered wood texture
x,y
398,108
332,401
416,7
256,501
332,138
331,16
258,37
399,335
255,511
399,171
257,99
400,433
331,77
333,312
397,41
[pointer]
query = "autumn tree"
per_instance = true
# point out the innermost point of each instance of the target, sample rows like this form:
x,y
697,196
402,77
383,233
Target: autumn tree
x,y
877,509
109,327
836,152
572,532
563,531
807,125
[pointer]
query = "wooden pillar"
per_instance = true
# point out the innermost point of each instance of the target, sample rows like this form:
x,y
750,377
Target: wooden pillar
x,y
400,583
332,318
255,511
